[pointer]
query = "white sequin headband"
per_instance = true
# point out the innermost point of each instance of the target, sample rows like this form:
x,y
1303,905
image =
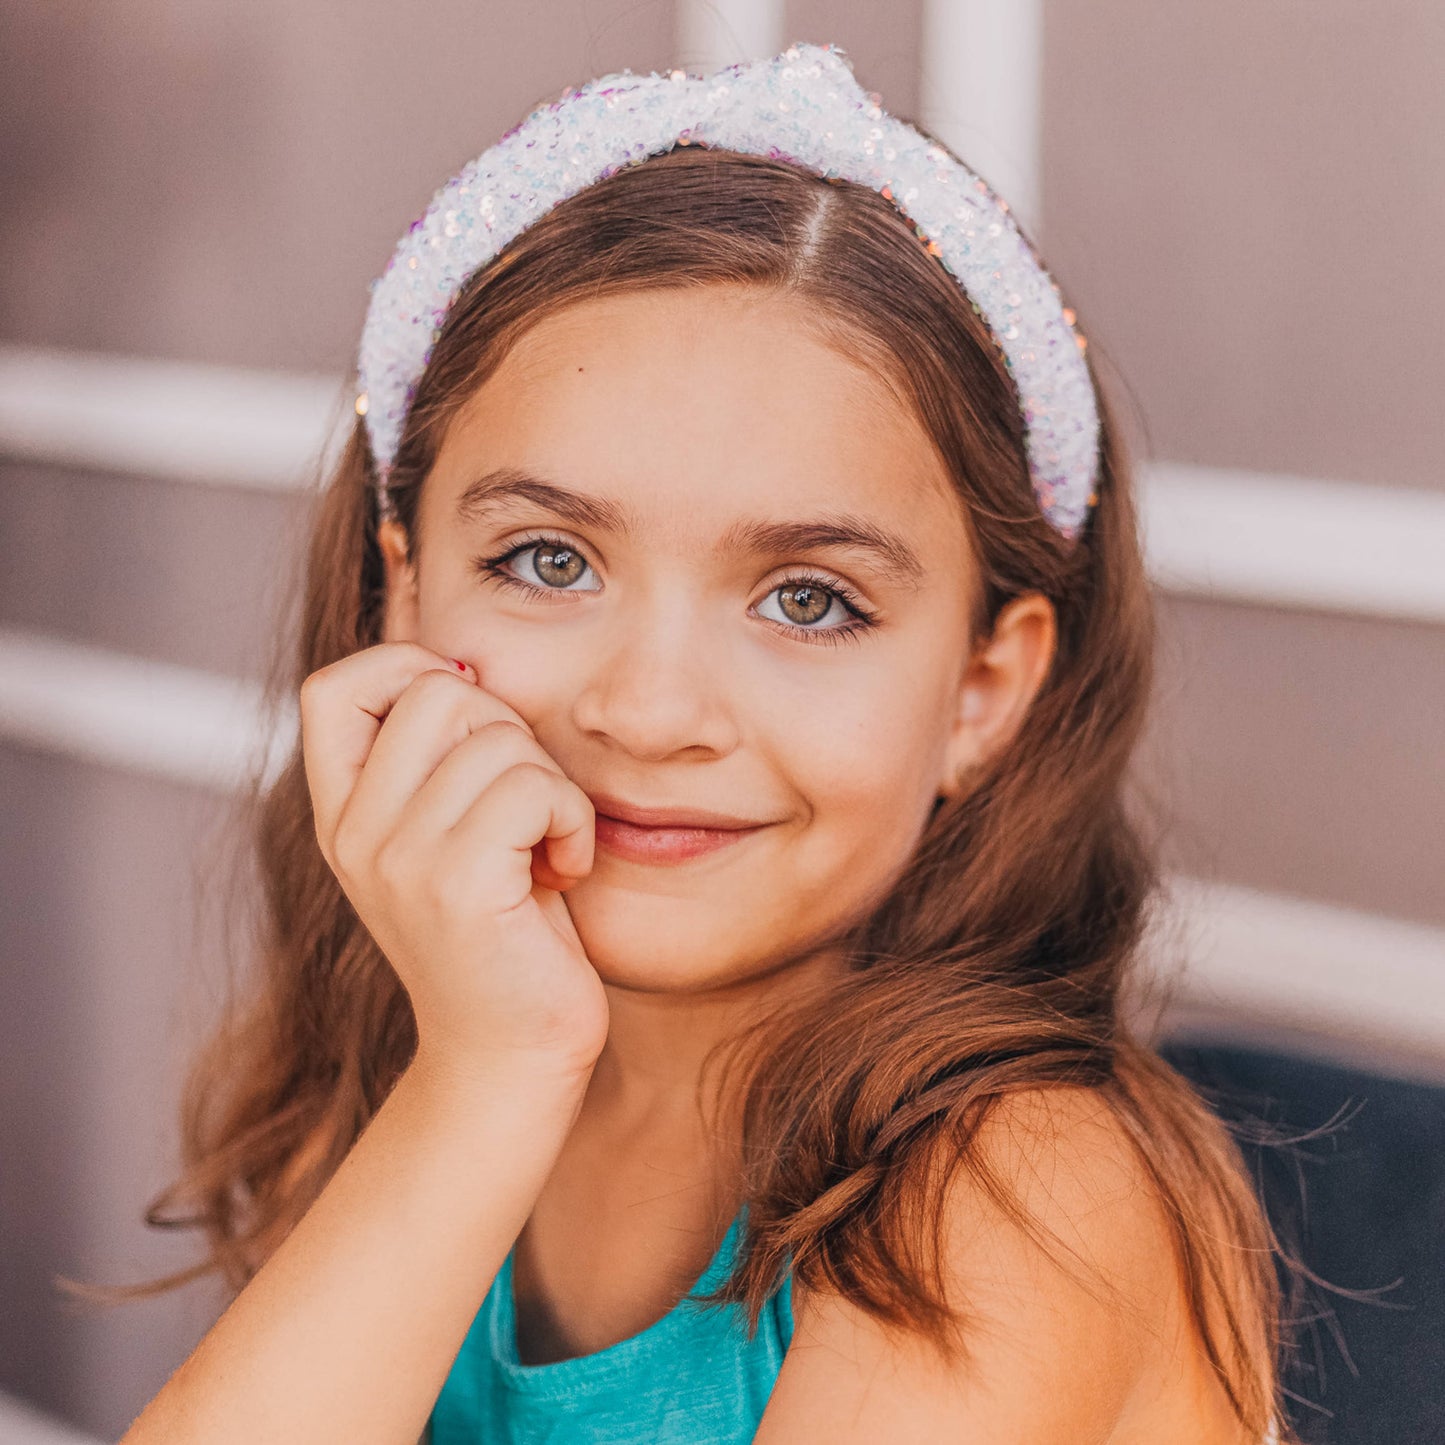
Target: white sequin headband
x,y
804,106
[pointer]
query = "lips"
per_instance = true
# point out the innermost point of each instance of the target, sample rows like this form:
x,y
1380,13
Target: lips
x,y
665,835
689,818
664,845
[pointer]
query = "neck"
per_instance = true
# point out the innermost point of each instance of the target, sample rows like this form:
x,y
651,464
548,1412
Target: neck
x,y
651,1142
654,1070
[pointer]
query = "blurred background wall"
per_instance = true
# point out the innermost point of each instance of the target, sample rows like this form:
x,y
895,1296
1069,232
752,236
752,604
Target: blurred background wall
x,y
1244,201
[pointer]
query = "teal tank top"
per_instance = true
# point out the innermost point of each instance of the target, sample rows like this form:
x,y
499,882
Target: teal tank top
x,y
691,1378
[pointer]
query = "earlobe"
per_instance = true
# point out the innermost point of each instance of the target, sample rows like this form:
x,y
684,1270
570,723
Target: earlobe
x,y
998,685
400,615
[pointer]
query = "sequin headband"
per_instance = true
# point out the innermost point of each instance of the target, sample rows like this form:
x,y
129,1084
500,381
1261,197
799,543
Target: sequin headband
x,y
802,105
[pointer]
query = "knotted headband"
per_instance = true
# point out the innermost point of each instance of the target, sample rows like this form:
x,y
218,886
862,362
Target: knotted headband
x,y
803,106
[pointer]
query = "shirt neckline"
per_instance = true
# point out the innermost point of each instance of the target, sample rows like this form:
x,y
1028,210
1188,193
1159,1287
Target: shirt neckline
x,y
601,1368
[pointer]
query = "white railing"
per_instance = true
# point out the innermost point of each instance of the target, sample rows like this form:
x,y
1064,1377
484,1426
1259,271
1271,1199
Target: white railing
x,y
1246,954
981,93
182,421
156,719
712,33
1208,531
1254,538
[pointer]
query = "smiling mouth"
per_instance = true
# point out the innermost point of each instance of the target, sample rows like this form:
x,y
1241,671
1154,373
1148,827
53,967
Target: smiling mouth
x,y
674,843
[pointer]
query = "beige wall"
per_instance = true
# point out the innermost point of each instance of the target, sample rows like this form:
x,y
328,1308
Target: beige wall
x,y
1243,201
1248,201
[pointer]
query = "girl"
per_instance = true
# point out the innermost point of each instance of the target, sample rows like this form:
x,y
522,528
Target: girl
x,y
699,905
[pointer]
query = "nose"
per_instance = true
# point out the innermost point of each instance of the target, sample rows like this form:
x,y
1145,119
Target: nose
x,y
657,684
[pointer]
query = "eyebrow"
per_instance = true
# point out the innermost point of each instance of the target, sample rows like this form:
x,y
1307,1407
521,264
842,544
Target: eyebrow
x,y
504,485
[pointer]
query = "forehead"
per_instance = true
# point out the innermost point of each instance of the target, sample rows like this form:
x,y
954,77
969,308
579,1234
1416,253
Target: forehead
x,y
689,408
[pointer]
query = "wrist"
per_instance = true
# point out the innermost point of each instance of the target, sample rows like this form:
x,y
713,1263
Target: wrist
x,y
527,1076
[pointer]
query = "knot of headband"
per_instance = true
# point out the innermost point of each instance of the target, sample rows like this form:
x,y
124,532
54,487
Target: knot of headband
x,y
805,106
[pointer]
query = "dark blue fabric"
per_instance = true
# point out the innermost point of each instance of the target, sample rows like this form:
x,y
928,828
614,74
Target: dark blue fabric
x,y
1363,1206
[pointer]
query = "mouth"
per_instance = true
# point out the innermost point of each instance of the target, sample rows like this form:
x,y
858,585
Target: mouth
x,y
683,818
664,835
675,843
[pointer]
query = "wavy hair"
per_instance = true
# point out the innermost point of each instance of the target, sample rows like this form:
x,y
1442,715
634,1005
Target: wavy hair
x,y
996,964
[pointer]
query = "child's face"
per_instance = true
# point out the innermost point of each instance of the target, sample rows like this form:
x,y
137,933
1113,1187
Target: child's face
x,y
669,665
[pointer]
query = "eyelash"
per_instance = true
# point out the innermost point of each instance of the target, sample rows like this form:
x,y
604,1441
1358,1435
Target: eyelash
x,y
862,617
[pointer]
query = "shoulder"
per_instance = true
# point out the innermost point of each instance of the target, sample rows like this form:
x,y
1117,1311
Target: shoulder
x,y
1066,1158
1065,1315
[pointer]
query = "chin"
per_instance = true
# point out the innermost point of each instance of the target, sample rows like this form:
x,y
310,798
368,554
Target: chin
x,y
645,976
651,944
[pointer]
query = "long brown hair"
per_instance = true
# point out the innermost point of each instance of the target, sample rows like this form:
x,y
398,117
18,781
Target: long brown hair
x,y
996,963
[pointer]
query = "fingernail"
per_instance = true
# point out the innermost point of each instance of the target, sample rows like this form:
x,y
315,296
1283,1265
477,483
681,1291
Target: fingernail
x,y
461,666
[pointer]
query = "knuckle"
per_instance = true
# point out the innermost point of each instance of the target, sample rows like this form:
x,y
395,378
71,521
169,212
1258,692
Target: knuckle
x,y
522,726
433,685
504,730
511,724
314,686
531,772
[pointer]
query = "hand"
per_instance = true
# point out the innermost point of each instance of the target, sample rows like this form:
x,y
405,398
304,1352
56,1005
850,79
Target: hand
x,y
454,835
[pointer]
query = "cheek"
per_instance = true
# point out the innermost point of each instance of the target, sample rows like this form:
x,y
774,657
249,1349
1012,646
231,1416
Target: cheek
x,y
874,734
860,764
525,667
869,769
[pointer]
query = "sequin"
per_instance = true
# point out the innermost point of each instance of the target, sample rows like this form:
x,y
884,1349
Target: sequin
x,y
805,106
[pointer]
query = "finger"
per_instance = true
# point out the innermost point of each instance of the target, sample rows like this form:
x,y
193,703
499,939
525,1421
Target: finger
x,y
544,874
435,712
463,775
526,805
342,708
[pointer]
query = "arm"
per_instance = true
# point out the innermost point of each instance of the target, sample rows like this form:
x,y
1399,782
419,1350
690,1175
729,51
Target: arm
x,y
348,1331
452,833
1055,1360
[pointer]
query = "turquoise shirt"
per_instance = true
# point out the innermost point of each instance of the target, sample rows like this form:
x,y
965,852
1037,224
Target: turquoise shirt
x,y
691,1378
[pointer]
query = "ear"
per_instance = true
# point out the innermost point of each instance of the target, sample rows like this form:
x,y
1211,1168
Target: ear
x,y
399,621
997,686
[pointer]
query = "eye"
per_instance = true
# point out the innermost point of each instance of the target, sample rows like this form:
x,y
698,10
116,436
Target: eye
x,y
807,599
554,563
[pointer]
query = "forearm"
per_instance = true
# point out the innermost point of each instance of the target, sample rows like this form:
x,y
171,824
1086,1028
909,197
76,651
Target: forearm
x,y
349,1329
